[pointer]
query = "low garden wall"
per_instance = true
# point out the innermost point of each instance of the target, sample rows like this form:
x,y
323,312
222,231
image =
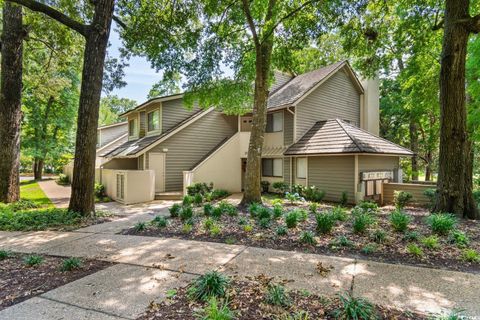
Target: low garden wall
x,y
417,191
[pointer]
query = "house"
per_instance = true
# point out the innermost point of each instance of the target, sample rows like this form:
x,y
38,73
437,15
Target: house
x,y
322,129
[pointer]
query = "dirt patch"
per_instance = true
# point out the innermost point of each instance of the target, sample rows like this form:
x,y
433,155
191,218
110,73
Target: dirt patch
x,y
247,300
342,241
19,282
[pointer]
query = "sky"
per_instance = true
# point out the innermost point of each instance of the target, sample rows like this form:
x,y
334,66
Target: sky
x,y
139,75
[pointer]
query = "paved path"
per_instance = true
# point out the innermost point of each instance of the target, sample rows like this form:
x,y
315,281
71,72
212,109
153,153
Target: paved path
x,y
59,195
147,267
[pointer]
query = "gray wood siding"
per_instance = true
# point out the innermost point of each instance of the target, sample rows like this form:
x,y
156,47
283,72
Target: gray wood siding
x,y
335,98
107,135
332,175
287,128
173,112
286,170
143,124
189,146
372,163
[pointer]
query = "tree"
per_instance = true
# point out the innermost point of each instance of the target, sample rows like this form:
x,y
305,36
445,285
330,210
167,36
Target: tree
x,y
111,107
96,35
10,101
454,185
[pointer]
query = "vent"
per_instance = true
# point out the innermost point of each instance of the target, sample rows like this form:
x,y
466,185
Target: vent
x,y
120,186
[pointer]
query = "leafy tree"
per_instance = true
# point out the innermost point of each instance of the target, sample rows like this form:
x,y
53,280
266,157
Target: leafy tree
x,y
111,107
167,86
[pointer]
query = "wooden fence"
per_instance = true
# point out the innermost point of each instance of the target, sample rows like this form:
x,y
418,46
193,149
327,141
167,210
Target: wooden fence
x,y
415,189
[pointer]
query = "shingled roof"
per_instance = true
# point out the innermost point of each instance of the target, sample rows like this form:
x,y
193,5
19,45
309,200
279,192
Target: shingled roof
x,y
337,136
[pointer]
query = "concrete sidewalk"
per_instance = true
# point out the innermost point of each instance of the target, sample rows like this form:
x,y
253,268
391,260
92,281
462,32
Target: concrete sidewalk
x,y
59,195
148,267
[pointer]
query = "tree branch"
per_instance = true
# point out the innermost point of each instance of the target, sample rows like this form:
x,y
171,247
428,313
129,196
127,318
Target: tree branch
x,y
120,22
438,26
474,24
251,24
54,14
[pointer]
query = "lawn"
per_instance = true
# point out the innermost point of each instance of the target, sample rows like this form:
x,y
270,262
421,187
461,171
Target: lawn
x,y
30,190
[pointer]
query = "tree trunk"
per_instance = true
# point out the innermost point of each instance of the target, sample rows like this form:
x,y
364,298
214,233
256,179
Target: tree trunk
x,y
82,199
38,169
471,210
413,128
253,192
10,101
428,166
454,192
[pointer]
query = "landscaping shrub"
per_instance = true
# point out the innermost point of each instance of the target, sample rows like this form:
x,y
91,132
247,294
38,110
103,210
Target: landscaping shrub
x,y
442,223
351,307
277,211
369,248
470,255
140,226
379,236
264,223
253,209
430,193
4,254
248,228
339,213
228,208
277,295
71,264
211,284
217,212
459,238
399,220
32,260
264,213
199,188
431,242
411,236
99,191
368,206
415,250
198,199
312,193
344,198
39,219
219,194
313,207
325,222
242,221
215,230
401,198
160,222
22,204
63,179
215,310
280,187
265,186
187,200
175,210
293,198
291,219
281,231
341,241
361,221
187,227
302,214
186,213
308,237
208,224
208,209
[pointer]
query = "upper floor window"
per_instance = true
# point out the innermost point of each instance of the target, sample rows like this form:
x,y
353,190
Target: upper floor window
x,y
272,167
132,127
153,120
275,122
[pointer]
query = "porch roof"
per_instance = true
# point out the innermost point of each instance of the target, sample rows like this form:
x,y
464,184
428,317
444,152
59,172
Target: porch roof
x,y
337,136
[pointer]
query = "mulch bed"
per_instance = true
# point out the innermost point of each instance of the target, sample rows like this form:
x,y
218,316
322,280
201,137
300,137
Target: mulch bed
x,y
247,300
392,250
19,282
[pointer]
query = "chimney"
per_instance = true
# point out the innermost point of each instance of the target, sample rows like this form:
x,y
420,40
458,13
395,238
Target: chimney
x,y
371,105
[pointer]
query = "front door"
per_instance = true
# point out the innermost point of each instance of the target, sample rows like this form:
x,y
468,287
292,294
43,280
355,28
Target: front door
x,y
156,162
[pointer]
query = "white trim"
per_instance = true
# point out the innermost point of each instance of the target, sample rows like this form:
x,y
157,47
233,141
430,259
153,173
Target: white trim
x,y
136,127
125,135
152,132
346,154
362,111
356,177
153,100
112,125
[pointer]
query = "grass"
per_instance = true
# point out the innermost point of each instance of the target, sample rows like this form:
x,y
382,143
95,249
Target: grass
x,y
30,190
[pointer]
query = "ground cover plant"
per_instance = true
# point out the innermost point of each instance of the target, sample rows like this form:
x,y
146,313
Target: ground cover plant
x,y
24,276
405,235
260,297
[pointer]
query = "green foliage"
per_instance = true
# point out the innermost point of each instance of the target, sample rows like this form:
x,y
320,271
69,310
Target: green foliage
x,y
186,213
280,186
351,307
302,214
369,248
230,240
207,209
264,213
312,193
248,228
215,310
470,255
228,208
140,226
4,254
40,219
242,221
459,238
187,200
430,193
281,231
414,250
175,210
63,179
208,224
453,315
341,241
217,212
361,221
340,213
293,198
264,223
111,106
198,199
431,242
442,223
344,198
22,204
70,264
160,222
368,207
277,295
99,190
401,198
187,227
308,237
277,211
399,220
379,236
211,284
219,194
33,260
411,236
253,209
31,191
325,222
199,188
313,207
291,219
215,230
265,185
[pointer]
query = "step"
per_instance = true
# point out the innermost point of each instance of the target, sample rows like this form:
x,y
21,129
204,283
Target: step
x,y
174,195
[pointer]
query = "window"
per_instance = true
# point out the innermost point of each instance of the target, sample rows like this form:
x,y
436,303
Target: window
x,y
275,122
132,127
153,120
302,168
272,167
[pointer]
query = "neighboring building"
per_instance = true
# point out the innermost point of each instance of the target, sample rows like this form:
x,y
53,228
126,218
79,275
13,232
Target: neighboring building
x,y
322,130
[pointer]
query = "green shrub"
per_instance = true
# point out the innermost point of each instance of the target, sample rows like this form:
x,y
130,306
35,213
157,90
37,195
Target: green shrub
x,y
230,240
344,198
277,295
308,237
401,198
431,242
312,193
187,227
33,260
207,209
175,210
186,213
368,206
399,220
291,219
293,198
248,228
442,223
281,231
325,222
140,226
160,222
431,195
379,236
215,230
198,199
411,236
340,213
470,255
361,221
313,207
264,223
70,264
280,187
264,213
219,194
208,224
4,254
354,308
265,186
341,241
242,221
253,209
277,211
187,200
99,190
415,250
23,204
369,248
63,179
217,213
228,208
39,219
302,214
211,284
199,188
215,310
459,238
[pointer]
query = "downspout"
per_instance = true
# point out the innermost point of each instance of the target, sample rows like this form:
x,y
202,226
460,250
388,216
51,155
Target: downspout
x,y
291,158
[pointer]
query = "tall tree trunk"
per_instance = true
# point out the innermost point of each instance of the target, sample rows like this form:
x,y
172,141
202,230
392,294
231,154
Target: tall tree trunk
x,y
428,166
10,101
38,169
413,128
253,192
454,192
82,199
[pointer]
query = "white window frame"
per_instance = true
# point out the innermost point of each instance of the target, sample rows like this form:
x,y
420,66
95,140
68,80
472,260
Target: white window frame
x,y
301,173
135,127
277,119
159,121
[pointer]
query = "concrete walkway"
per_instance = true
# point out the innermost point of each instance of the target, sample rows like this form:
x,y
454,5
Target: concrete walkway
x,y
59,195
